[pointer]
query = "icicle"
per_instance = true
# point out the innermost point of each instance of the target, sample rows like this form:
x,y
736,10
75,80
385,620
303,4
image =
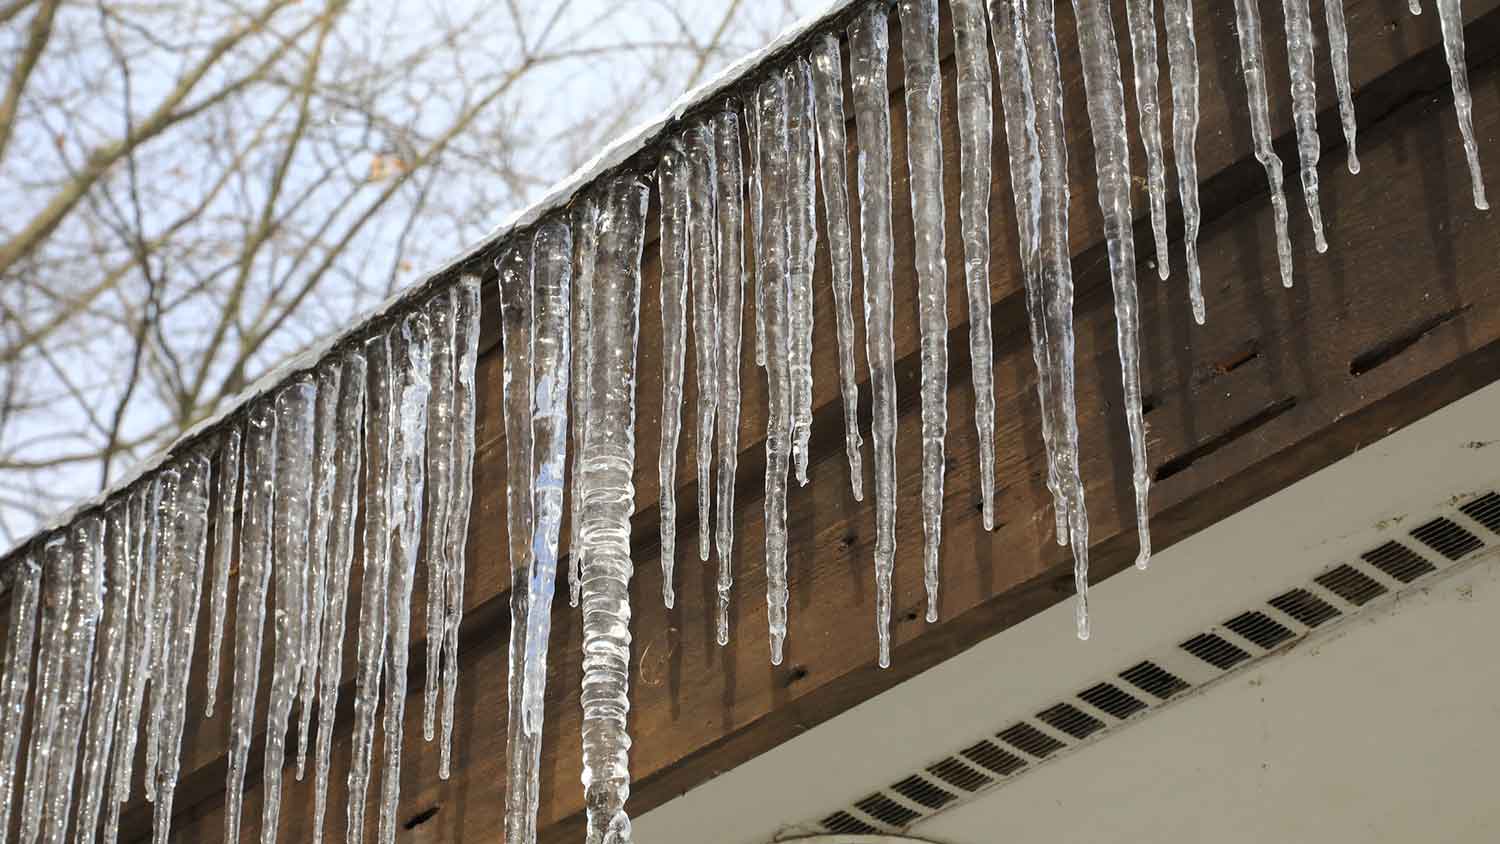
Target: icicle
x,y
731,263
771,107
25,591
1450,15
802,242
1140,17
925,161
412,353
250,600
585,248
517,323
295,435
440,313
1106,107
607,460
1008,22
1253,65
868,44
1182,69
1057,281
752,167
161,611
105,696
226,500
82,624
1338,45
1414,6
1299,48
329,376
975,127
143,541
704,260
673,180
828,92
57,597
380,426
185,550
466,353
348,434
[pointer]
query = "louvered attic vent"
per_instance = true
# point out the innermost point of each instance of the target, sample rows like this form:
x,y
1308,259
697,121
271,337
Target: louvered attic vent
x,y
1340,591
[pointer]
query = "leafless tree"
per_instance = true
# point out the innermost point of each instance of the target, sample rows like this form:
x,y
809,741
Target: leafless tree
x,y
191,190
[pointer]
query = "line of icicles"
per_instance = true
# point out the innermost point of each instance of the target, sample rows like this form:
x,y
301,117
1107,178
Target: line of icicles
x,y
107,609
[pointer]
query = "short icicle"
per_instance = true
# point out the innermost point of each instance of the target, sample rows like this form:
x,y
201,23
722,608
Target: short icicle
x,y
802,244
1253,66
329,376
868,45
439,490
411,353
15,686
731,263
608,460
109,678
673,180
585,248
774,266
296,414
1451,17
1140,18
828,91
1299,48
1182,70
348,433
975,139
52,652
226,505
1105,92
703,260
1338,48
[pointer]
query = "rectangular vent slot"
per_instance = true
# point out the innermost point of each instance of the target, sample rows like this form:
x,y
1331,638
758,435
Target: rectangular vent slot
x,y
1304,606
887,811
1259,628
1071,720
1484,510
923,793
1215,650
843,822
1446,538
1107,697
1398,561
959,775
988,755
1351,585
1029,739
1150,677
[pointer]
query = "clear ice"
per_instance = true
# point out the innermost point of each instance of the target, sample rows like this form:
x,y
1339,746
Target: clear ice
x,y
1182,70
226,505
114,628
83,621
1253,66
1450,14
52,656
144,502
25,593
802,241
329,377
703,261
731,264
585,248
673,180
1338,47
1140,17
440,314
1299,48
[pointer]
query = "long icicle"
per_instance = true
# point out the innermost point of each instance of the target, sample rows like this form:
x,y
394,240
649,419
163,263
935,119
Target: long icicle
x,y
15,686
380,444
83,622
752,169
440,314
296,415
1140,17
868,45
329,376
608,460
1182,69
1057,281
919,47
1299,49
1338,48
828,91
114,629
585,249
1105,92
771,108
517,323
802,244
185,553
226,504
703,260
1451,18
161,611
466,345
412,354
673,179
731,263
348,434
57,600
975,131
1253,66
